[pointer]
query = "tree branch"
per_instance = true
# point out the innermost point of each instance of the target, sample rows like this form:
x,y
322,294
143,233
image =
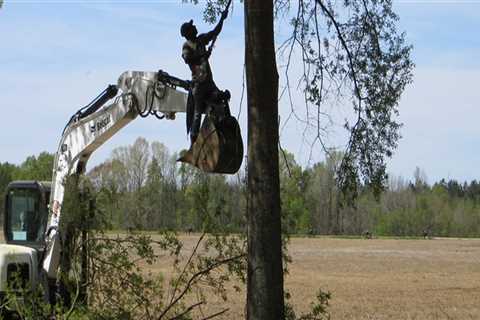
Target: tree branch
x,y
215,314
180,315
194,278
197,245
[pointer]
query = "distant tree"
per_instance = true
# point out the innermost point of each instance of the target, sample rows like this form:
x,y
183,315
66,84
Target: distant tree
x,y
36,168
154,197
324,197
420,180
473,190
455,189
160,192
33,168
314,198
166,166
138,162
109,192
185,178
7,172
396,183
132,163
296,218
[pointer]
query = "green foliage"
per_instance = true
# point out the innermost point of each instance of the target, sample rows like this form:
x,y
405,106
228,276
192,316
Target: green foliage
x,y
213,9
318,309
295,215
112,282
24,301
7,172
179,197
33,168
120,289
322,197
411,211
36,168
175,197
171,196
352,52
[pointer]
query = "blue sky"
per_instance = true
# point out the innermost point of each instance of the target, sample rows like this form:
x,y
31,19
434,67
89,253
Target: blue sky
x,y
55,56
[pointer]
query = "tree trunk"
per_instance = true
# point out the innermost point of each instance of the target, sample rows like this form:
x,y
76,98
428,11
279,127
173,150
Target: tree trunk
x,y
265,271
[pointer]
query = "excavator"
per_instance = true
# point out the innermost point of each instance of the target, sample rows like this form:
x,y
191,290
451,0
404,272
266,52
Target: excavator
x,y
33,209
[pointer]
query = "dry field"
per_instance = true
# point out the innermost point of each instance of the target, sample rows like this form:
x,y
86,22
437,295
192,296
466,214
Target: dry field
x,y
389,279
377,278
380,278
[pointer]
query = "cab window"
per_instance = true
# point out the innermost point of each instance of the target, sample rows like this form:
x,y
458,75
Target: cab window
x,y
24,221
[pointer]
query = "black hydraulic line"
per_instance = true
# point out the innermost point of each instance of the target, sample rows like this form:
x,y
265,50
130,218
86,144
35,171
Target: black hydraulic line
x,y
107,94
112,90
173,81
99,101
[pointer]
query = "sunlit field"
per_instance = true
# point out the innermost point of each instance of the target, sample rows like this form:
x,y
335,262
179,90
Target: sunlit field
x,y
375,278
379,278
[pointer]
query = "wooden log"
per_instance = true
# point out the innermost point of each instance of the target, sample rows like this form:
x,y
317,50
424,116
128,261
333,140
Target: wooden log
x,y
218,148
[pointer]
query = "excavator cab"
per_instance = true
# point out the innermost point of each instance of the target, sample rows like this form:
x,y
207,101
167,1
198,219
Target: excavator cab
x,y
24,223
26,213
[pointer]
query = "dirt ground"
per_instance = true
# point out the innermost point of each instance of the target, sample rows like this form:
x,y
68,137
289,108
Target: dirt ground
x,y
379,278
376,278
389,279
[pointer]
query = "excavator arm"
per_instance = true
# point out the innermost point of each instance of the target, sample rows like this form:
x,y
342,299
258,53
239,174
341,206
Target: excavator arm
x,y
218,149
136,94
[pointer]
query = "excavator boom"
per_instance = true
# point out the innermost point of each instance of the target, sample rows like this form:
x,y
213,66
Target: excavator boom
x,y
140,93
33,229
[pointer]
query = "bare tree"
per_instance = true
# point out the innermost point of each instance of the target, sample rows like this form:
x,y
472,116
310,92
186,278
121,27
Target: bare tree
x,y
265,272
132,163
351,54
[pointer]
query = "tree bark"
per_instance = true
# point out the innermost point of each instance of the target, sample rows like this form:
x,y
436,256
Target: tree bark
x,y
265,271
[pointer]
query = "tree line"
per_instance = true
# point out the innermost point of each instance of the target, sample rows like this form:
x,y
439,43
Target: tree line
x,y
142,187
33,168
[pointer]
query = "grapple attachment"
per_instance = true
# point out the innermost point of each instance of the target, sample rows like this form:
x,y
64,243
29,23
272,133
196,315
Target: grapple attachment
x,y
218,148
